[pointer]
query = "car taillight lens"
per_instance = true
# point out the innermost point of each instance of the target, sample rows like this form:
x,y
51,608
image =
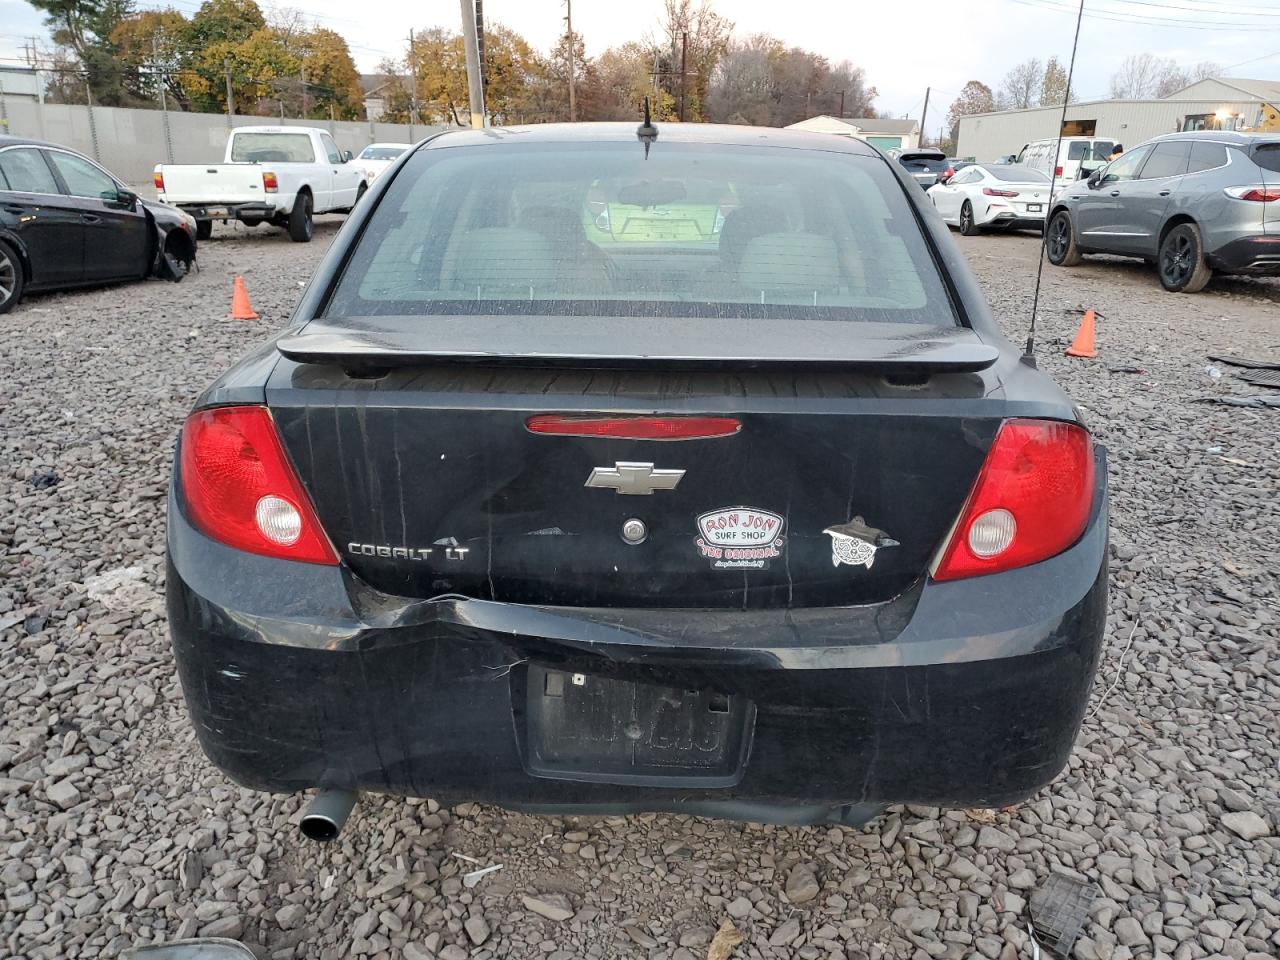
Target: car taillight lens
x,y
1057,171
1260,194
240,489
269,183
992,192
1030,502
634,428
157,178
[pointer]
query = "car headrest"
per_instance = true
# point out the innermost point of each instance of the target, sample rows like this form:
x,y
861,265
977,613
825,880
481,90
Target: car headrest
x,y
790,263
494,257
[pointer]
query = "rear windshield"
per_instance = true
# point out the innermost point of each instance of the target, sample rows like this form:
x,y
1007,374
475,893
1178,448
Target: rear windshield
x,y
1016,172
1267,156
381,153
918,164
597,229
272,148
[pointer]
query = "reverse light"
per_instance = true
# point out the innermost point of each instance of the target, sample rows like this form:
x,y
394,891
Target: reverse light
x,y
270,182
157,179
1030,502
633,427
993,192
240,489
1258,194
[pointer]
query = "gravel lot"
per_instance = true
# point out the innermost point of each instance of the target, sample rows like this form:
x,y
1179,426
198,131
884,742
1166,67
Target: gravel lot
x,y
116,831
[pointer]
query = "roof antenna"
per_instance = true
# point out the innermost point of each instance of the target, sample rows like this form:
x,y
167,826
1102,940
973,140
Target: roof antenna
x,y
1029,355
647,132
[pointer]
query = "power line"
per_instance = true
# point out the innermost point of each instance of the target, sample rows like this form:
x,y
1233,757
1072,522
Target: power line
x,y
1169,22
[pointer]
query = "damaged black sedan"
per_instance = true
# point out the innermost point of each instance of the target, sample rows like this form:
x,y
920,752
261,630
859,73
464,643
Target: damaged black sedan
x,y
599,472
66,222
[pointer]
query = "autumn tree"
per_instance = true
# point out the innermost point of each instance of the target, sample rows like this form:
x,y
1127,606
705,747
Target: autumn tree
x,y
695,36
1053,87
1021,86
151,47
84,27
622,78
975,97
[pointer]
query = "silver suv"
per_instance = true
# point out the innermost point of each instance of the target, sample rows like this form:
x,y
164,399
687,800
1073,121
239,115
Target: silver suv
x,y
1191,203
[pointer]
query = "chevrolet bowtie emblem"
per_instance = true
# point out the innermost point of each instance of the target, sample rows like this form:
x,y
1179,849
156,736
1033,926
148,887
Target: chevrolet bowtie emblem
x,y
634,478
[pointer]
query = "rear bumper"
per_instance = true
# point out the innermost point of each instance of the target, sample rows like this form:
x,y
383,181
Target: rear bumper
x,y
1014,221
231,211
967,693
1259,255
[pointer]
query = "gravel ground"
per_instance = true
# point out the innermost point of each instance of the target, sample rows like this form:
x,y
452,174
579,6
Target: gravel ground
x,y
116,831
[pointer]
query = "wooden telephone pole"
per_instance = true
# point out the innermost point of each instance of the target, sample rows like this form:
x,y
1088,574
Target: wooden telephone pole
x,y
573,99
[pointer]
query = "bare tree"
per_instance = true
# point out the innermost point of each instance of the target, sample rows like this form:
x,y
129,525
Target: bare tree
x,y
1146,75
1020,87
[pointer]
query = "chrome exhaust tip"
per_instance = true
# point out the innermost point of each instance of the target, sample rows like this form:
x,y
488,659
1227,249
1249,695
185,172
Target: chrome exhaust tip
x,y
326,814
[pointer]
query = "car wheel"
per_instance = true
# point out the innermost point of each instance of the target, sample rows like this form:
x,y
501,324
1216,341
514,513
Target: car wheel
x,y
1060,245
1181,262
11,279
301,225
204,229
967,226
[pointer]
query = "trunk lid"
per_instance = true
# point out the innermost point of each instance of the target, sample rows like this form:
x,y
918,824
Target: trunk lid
x,y
429,481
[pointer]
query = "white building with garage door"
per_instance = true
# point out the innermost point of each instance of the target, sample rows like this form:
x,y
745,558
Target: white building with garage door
x,y
1218,103
887,134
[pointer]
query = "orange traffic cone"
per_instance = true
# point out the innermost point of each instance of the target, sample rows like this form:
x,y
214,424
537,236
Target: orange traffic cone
x,y
1083,346
241,308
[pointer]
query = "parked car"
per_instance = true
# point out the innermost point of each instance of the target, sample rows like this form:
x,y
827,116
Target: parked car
x,y
1192,203
1068,160
984,195
277,175
65,221
376,157
954,166
924,165
726,525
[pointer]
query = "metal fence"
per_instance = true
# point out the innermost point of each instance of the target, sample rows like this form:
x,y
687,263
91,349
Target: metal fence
x,y
131,142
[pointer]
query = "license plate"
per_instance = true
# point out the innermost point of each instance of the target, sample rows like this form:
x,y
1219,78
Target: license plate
x,y
214,212
1034,207
609,730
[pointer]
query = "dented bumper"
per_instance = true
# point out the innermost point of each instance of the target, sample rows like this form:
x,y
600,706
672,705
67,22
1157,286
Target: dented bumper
x,y
967,693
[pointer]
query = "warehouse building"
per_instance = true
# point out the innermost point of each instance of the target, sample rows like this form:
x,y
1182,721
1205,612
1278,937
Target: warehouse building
x,y
1218,103
882,132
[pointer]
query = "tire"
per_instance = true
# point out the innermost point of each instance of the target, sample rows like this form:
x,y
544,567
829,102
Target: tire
x,y
11,278
301,225
967,227
1060,243
204,229
1181,262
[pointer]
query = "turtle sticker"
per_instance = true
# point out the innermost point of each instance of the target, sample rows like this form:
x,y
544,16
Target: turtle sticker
x,y
740,538
856,544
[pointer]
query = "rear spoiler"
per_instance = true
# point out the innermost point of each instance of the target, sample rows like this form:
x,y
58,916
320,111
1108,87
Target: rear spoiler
x,y
669,343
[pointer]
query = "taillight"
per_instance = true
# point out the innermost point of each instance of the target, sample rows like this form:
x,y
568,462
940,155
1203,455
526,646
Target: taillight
x,y
1030,502
634,428
1261,194
157,178
240,489
992,192
269,182
1057,171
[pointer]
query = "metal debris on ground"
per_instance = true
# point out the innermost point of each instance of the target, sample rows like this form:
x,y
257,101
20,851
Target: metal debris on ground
x,y
1059,910
1126,369
1258,401
44,479
725,941
469,880
1234,361
1261,378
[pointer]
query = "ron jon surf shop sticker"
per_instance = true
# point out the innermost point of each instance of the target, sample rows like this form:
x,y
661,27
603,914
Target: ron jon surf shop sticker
x,y
740,538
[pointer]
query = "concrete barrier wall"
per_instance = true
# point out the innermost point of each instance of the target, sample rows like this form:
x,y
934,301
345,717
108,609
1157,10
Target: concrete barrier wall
x,y
130,143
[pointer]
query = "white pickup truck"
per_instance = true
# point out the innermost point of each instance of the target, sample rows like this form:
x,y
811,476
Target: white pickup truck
x,y
279,175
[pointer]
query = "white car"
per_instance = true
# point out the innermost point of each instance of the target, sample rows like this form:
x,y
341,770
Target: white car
x,y
277,175
1010,196
376,157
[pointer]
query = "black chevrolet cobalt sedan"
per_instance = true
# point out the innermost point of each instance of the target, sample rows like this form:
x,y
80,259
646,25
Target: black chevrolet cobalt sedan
x,y
605,470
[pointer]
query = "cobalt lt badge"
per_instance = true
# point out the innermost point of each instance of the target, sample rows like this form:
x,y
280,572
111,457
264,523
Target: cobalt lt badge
x,y
856,544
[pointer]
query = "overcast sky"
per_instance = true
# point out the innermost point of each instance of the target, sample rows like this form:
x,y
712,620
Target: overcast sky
x,y
903,47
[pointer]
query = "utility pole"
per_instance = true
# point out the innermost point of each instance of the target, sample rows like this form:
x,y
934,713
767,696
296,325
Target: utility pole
x,y
924,113
226,72
684,70
841,104
475,90
304,90
573,99
484,73
413,95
